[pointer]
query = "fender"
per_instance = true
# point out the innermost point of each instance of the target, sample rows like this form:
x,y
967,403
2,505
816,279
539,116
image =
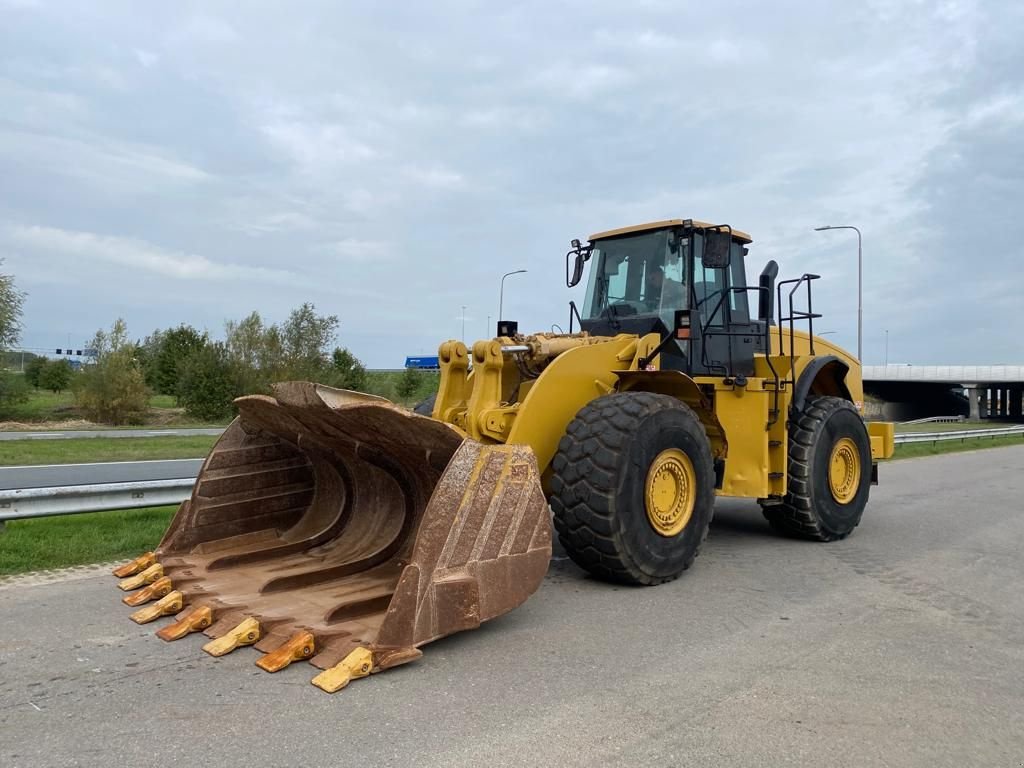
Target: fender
x,y
824,375
682,387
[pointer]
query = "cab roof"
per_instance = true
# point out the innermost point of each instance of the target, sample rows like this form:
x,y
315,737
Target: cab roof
x,y
743,237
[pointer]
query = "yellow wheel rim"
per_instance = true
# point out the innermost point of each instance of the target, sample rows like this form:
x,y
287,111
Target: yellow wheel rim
x,y
844,470
670,492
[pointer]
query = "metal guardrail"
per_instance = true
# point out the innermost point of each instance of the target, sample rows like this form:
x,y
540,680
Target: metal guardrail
x,y
17,504
959,434
73,499
68,489
936,420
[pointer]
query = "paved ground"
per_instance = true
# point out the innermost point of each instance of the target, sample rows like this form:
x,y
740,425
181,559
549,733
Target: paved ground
x,y
76,433
902,646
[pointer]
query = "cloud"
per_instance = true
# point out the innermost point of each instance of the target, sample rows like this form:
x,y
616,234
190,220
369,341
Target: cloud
x,y
320,155
132,254
146,58
355,250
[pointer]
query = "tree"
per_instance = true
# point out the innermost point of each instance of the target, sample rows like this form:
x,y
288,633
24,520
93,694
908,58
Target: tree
x,y
34,369
170,349
13,391
206,383
113,389
245,344
409,383
146,352
347,371
56,375
11,302
261,354
306,337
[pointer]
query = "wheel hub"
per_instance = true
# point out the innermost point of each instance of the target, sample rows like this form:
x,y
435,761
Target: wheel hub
x,y
844,470
670,492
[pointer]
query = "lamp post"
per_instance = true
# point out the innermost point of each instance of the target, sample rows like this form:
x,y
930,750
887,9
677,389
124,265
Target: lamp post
x,y
501,293
887,347
860,287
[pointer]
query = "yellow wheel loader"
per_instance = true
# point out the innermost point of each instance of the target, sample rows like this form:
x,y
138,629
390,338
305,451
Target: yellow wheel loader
x,y
340,529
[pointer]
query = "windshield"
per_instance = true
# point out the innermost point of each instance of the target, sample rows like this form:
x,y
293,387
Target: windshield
x,y
636,274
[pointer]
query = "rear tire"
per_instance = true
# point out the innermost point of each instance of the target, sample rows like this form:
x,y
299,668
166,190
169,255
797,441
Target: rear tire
x,y
829,472
633,488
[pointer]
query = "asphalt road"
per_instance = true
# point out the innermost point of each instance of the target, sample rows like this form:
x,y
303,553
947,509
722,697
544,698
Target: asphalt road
x,y
902,646
77,433
51,475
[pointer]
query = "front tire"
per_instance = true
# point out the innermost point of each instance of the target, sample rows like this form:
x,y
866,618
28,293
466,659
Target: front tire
x,y
829,472
633,488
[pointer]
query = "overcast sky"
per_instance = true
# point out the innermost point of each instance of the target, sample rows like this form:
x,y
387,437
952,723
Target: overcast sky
x,y
191,162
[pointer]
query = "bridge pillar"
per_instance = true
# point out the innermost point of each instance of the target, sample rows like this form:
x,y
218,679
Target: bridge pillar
x,y
974,395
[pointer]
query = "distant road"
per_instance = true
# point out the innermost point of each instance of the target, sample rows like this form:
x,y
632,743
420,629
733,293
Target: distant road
x,y
74,433
53,475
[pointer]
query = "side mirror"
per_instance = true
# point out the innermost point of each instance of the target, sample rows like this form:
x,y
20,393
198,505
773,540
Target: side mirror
x,y
766,292
717,245
582,254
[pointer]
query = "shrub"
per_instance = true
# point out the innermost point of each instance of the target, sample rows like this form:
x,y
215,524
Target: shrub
x,y
13,391
206,383
347,371
409,383
34,369
113,389
56,375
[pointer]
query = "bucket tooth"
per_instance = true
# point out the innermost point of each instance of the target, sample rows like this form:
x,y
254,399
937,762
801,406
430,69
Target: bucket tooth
x,y
170,603
196,620
148,576
246,633
296,648
159,588
357,664
140,563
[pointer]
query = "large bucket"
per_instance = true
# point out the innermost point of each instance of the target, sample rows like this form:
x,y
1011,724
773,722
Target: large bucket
x,y
338,528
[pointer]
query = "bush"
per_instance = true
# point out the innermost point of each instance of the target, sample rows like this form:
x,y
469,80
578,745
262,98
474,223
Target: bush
x,y
113,389
56,375
169,349
409,383
13,391
34,369
206,383
347,371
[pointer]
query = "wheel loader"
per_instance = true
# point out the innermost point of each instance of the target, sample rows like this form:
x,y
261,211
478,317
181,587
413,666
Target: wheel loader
x,y
338,528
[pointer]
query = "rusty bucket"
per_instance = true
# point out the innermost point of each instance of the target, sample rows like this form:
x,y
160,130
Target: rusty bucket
x,y
340,529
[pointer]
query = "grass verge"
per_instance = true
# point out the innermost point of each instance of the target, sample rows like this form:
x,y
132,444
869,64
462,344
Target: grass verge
x,y
90,449
912,450
94,537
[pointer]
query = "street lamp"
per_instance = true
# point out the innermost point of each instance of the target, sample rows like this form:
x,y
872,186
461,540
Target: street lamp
x,y
860,287
501,294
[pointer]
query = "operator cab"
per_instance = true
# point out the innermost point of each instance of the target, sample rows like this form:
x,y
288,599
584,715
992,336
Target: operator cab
x,y
642,278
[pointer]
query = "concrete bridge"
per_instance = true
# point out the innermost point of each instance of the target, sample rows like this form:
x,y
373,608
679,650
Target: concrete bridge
x,y
992,391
